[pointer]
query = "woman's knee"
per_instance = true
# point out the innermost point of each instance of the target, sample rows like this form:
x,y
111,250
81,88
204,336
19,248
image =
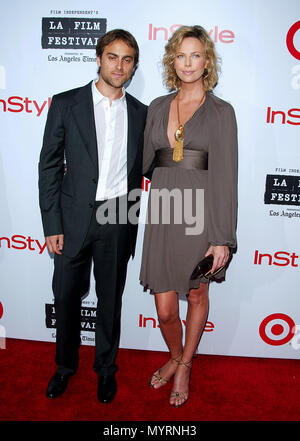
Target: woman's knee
x,y
198,295
167,307
167,315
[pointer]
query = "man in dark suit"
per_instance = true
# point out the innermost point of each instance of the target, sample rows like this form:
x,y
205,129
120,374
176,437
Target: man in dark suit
x,y
91,156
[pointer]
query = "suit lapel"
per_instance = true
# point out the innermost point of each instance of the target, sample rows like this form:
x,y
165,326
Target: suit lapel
x,y
132,141
83,111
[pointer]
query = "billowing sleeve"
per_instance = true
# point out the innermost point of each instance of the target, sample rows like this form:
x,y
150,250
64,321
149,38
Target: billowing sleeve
x,y
148,152
222,179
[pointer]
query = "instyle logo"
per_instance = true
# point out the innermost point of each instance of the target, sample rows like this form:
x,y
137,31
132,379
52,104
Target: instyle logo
x,y
72,33
277,329
282,190
223,36
17,104
291,116
145,322
19,242
279,258
290,40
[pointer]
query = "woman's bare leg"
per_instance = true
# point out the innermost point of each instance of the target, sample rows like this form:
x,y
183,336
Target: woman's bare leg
x,y
195,321
171,328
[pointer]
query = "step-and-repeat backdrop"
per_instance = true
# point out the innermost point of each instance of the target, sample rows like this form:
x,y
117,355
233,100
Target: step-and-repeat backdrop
x,y
48,47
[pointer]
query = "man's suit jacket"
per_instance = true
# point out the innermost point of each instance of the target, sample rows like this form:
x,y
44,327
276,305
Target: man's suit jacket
x,y
67,199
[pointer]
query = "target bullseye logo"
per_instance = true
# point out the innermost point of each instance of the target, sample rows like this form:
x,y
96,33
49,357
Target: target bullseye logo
x,y
1,310
277,329
290,40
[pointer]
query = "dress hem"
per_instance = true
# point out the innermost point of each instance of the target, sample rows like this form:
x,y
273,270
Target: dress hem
x,y
154,290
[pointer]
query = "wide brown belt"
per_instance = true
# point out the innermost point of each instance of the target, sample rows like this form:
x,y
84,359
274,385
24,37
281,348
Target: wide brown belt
x,y
192,159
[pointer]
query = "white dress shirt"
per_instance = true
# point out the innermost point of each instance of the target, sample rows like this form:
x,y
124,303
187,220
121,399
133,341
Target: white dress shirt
x,y
111,131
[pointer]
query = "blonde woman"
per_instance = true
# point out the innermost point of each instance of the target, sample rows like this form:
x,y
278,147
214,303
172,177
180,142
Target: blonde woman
x,y
191,143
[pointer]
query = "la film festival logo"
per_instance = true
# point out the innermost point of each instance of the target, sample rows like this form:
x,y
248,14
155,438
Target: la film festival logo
x,y
75,33
282,191
88,317
72,33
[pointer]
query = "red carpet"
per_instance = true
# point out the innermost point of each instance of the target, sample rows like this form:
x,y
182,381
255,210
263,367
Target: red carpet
x,y
223,388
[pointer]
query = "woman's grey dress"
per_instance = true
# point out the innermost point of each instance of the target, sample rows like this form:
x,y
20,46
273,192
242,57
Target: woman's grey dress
x,y
169,253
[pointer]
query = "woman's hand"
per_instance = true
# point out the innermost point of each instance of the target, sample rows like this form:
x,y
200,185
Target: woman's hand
x,y
221,256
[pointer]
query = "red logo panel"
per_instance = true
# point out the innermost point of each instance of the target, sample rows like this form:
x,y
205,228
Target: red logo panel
x,y
290,40
277,329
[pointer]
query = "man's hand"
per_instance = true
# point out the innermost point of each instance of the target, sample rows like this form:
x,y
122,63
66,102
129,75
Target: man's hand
x,y
55,243
221,255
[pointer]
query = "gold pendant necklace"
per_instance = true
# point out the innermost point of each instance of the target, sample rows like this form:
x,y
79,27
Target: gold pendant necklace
x,y
179,134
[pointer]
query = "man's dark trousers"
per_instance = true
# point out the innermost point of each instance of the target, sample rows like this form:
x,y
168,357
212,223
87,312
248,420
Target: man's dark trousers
x,y
108,247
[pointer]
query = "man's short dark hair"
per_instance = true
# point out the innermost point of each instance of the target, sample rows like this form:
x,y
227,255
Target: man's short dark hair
x,y
118,34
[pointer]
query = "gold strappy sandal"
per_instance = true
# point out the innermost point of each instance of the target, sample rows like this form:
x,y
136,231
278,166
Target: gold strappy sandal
x,y
181,395
157,375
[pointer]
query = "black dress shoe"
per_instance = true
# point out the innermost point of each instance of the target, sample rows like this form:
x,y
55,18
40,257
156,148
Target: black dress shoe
x,y
57,385
107,388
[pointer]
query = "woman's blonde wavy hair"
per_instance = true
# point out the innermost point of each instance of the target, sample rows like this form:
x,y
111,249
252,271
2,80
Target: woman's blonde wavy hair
x,y
210,77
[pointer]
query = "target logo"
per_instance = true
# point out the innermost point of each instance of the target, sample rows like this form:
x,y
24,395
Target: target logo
x,y
1,310
277,329
290,40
